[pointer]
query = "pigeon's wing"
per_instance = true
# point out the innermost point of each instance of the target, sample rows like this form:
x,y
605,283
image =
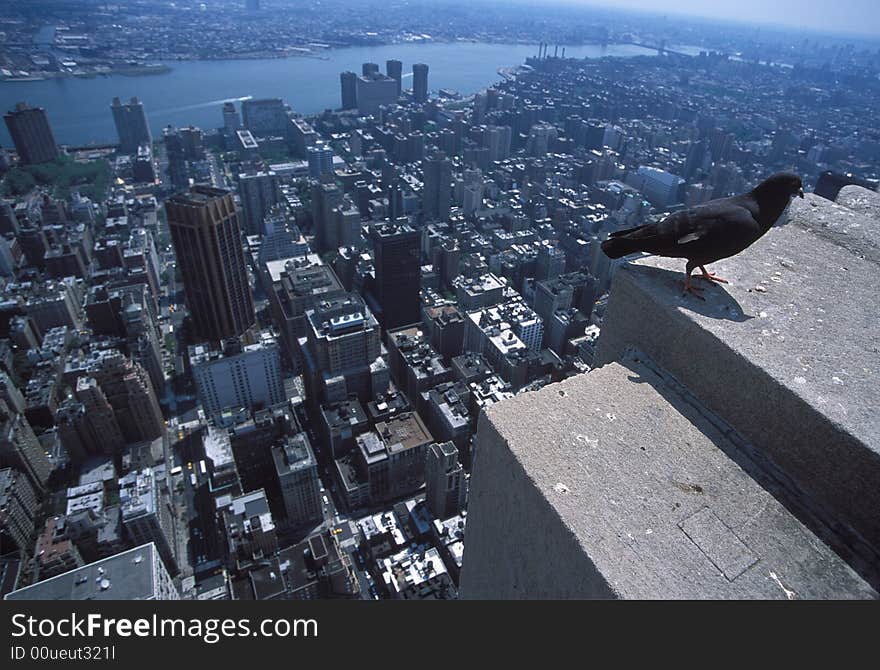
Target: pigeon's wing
x,y
703,234
655,237
709,233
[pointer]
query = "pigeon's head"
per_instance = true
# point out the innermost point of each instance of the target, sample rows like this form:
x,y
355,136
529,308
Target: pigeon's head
x,y
783,184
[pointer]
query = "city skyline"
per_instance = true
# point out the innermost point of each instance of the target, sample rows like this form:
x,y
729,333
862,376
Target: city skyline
x,y
841,18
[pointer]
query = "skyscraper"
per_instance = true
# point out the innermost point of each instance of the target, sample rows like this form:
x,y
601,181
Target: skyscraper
x,y
31,133
395,197
20,448
660,187
497,139
420,82
394,69
207,241
145,516
297,472
19,506
131,125
265,117
369,69
437,187
258,193
445,485
130,393
325,198
176,157
100,431
396,248
231,118
320,159
341,352
238,376
348,80
373,91
472,192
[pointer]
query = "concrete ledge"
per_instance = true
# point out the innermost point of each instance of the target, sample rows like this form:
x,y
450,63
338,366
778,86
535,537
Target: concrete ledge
x,y
860,200
854,230
613,484
787,354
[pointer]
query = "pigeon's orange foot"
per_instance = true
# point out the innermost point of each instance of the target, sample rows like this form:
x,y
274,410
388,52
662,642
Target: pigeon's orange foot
x,y
708,276
693,290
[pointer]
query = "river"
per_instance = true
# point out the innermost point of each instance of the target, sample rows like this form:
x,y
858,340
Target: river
x,y
193,92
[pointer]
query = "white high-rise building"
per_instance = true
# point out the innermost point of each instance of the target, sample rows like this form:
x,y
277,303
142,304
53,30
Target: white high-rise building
x,y
320,160
660,187
239,376
472,197
497,140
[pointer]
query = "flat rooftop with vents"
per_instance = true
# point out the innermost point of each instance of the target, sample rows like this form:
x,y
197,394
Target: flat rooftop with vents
x,y
136,574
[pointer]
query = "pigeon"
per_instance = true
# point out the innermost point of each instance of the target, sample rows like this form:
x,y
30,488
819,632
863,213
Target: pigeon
x,y
714,230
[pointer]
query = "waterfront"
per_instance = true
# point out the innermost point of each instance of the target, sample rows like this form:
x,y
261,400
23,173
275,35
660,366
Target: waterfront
x,y
193,92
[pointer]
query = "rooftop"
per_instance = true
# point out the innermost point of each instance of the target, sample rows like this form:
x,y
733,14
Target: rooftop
x,y
138,494
198,195
129,575
404,431
294,454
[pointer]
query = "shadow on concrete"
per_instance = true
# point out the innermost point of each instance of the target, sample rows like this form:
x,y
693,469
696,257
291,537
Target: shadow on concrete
x,y
718,303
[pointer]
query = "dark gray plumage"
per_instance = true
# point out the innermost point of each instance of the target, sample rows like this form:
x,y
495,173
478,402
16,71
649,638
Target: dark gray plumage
x,y
711,231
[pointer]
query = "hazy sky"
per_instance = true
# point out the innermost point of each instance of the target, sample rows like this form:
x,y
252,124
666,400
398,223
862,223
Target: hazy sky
x,y
857,16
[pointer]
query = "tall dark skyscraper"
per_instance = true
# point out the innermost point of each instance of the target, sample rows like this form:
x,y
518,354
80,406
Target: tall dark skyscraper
x,y
31,134
395,198
445,483
396,248
420,82
131,125
207,242
437,187
349,90
258,193
369,69
394,69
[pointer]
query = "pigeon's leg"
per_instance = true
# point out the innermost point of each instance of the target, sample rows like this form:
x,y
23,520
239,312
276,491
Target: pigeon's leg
x,y
688,287
708,276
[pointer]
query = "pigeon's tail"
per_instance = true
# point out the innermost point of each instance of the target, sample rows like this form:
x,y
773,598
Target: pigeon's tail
x,y
617,247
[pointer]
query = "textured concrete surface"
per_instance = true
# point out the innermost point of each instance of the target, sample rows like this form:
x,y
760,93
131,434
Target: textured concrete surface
x,y
854,230
615,484
788,353
860,200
